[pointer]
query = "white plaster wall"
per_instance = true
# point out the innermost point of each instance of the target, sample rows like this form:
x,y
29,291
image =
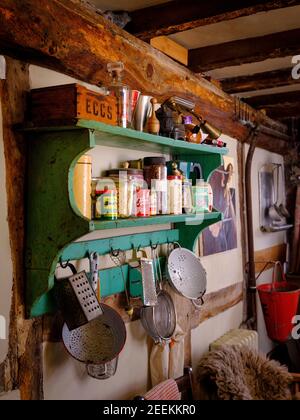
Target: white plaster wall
x,y
6,275
212,329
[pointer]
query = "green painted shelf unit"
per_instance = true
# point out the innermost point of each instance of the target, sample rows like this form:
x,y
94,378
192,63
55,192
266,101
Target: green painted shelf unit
x,y
53,221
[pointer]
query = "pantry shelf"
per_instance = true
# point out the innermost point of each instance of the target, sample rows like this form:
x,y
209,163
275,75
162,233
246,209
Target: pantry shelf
x,y
154,220
53,219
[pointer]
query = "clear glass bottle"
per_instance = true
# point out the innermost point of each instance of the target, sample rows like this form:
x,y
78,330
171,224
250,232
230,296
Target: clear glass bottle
x,y
121,92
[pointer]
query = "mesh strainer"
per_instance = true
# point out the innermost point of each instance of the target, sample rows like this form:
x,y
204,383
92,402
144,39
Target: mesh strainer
x,y
99,341
187,275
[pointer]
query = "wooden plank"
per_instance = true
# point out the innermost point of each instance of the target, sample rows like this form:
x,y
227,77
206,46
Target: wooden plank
x,y
176,16
277,105
275,253
79,48
249,50
216,303
23,365
170,48
258,81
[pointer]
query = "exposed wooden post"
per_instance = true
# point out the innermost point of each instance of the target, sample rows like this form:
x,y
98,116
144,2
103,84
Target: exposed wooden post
x,y
23,366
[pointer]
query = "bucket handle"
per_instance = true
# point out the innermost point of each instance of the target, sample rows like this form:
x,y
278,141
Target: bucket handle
x,y
277,264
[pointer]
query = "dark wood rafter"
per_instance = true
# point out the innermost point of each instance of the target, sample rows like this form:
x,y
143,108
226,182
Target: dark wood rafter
x,y
176,16
249,50
258,81
22,368
278,105
87,42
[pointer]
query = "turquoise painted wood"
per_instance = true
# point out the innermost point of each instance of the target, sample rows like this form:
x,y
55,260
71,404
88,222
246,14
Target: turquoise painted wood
x,y
53,219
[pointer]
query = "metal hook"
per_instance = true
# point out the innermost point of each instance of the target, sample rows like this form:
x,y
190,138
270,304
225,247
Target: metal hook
x,y
64,265
153,247
115,252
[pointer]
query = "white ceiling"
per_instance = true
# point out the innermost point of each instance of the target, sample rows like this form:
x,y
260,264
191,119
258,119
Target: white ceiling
x,y
244,27
241,28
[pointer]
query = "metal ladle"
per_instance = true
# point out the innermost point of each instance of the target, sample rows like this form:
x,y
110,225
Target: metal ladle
x,y
274,210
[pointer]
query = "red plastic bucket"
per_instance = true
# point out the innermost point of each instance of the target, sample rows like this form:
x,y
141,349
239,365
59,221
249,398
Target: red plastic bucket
x,y
279,301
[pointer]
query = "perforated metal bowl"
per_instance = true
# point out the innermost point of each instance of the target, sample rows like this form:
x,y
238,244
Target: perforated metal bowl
x,y
186,274
99,341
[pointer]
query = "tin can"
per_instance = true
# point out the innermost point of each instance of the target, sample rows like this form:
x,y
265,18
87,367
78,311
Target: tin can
x,y
106,205
143,203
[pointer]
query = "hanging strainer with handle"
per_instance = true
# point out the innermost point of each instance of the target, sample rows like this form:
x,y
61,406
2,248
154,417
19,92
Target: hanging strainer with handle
x,y
187,275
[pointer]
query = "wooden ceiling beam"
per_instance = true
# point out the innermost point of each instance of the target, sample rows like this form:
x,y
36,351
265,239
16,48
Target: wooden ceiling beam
x,y
176,16
279,105
259,81
249,50
86,42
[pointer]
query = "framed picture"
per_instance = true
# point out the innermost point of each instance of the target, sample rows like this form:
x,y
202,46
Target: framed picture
x,y
222,236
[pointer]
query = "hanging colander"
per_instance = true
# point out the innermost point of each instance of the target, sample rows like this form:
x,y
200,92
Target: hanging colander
x,y
187,275
99,341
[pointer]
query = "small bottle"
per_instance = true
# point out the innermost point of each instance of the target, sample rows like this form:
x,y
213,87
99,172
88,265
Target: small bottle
x,y
192,131
121,92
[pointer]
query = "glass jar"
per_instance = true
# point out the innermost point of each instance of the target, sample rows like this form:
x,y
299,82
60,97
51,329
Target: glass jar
x,y
122,93
155,174
127,182
174,194
187,196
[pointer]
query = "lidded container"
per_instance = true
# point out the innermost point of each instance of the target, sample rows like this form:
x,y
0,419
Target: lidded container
x,y
174,194
127,181
82,185
122,93
155,173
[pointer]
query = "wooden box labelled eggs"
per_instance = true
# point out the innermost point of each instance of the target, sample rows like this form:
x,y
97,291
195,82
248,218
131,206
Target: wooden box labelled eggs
x,y
66,103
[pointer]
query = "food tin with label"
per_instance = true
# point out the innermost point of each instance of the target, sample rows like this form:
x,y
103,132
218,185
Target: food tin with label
x,y
106,205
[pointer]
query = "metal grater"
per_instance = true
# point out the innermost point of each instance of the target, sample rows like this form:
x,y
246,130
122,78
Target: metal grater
x,y
85,295
148,281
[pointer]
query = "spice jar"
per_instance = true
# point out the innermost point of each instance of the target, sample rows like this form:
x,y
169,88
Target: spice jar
x,y
155,174
174,194
187,196
143,203
127,182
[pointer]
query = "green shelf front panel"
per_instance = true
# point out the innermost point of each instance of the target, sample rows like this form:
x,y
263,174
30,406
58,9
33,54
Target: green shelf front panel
x,y
153,220
52,218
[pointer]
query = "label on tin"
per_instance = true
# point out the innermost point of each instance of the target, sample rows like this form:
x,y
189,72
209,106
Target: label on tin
x,y
107,206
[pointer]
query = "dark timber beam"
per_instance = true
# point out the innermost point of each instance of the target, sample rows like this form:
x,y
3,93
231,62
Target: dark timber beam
x,y
176,16
258,81
84,44
249,50
279,105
